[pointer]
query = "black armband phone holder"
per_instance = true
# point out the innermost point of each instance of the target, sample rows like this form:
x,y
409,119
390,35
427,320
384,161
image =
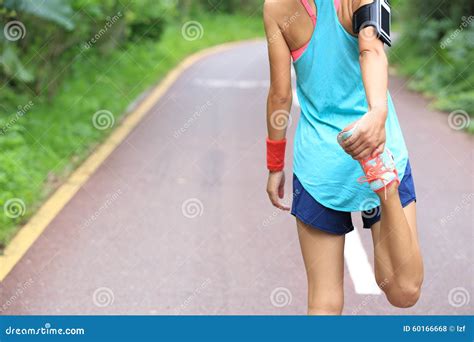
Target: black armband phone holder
x,y
376,14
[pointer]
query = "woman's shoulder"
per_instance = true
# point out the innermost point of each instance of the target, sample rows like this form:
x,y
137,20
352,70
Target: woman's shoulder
x,y
279,6
279,10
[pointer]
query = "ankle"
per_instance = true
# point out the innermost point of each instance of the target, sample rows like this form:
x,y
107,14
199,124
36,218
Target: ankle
x,y
389,192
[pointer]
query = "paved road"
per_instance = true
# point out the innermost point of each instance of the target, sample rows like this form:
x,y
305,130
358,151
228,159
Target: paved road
x,y
176,221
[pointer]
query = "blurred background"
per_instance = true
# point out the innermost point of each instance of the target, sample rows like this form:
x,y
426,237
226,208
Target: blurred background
x,y
63,62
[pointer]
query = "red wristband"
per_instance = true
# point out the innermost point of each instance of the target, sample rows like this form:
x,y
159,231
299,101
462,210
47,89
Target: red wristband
x,y
276,154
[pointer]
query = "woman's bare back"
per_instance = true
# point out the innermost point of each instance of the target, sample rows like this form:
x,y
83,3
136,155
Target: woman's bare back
x,y
295,24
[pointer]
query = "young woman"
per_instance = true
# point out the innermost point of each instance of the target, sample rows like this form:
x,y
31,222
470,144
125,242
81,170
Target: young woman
x,y
349,152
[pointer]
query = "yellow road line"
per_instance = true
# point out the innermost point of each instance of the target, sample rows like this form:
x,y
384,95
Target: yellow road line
x,y
51,208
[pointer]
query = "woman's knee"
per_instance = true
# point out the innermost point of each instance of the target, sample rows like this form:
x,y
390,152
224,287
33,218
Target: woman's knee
x,y
404,294
330,305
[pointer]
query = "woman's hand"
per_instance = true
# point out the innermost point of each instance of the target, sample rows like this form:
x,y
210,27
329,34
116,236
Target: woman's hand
x,y
276,189
368,139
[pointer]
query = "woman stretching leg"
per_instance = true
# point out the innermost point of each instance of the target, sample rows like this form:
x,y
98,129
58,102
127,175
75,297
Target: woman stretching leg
x,y
349,151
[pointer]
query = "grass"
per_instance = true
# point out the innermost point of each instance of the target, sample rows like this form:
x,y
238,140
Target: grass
x,y
43,142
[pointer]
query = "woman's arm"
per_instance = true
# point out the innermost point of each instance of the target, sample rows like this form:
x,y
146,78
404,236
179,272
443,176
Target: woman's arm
x,y
369,138
280,94
279,99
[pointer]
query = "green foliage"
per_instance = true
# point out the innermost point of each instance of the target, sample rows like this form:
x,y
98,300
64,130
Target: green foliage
x,y
243,7
436,48
147,18
56,32
57,11
232,6
12,66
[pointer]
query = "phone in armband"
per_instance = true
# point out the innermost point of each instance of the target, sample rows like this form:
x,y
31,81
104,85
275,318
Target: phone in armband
x,y
376,14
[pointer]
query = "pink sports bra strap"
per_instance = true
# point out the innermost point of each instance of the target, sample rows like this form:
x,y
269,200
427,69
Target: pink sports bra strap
x,y
310,11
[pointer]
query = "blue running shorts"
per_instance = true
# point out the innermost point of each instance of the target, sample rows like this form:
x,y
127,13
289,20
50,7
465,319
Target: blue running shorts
x,y
314,214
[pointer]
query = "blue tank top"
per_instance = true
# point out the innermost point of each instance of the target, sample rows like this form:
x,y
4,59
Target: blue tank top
x,y
332,96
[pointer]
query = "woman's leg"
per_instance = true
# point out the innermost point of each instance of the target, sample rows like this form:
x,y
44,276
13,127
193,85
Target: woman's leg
x,y
323,256
398,261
